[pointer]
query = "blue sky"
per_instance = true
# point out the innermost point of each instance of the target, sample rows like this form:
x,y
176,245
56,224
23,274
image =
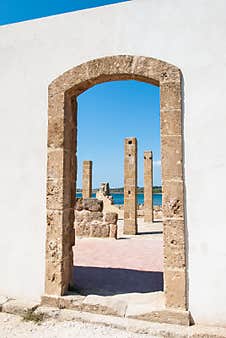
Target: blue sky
x,y
109,112
20,10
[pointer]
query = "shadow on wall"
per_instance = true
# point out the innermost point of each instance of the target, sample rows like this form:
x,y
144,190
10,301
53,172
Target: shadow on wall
x,y
111,281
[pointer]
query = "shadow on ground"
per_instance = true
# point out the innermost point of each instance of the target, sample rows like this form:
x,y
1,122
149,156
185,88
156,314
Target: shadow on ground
x,y
111,281
142,233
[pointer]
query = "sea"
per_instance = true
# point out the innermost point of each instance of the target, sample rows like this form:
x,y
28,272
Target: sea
x,y
119,198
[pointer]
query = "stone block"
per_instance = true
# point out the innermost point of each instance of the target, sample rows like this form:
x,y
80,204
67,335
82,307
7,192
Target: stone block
x,y
58,194
173,199
92,204
155,71
73,301
172,157
106,305
80,216
111,217
99,230
113,231
82,230
170,94
55,163
79,204
171,123
72,78
168,317
18,307
175,289
58,218
56,131
85,217
100,69
54,283
174,244
94,216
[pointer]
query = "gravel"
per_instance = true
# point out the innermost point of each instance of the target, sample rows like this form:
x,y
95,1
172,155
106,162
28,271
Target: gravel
x,y
14,326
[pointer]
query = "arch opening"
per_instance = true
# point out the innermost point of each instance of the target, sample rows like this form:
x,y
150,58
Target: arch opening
x,y
61,175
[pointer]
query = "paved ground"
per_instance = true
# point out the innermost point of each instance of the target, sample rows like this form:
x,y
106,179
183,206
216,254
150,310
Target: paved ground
x,y
13,326
129,264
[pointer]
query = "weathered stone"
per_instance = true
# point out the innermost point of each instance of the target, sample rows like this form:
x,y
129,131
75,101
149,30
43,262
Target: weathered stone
x,y
106,305
166,316
87,179
172,157
58,194
56,160
155,71
82,230
94,216
103,69
111,217
108,202
62,134
73,301
175,288
58,218
113,231
70,79
80,216
16,306
174,245
130,186
105,189
79,204
148,184
170,96
99,230
92,204
171,122
173,197
56,123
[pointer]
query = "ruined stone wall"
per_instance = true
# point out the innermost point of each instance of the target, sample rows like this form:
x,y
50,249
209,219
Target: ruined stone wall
x,y
108,202
90,221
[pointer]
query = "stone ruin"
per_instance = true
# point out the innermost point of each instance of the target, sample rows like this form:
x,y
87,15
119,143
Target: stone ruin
x,y
157,212
90,221
98,217
103,194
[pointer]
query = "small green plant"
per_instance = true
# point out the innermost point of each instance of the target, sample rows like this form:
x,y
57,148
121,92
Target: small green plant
x,y
30,315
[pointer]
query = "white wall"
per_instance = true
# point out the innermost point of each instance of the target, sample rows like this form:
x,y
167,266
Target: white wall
x,y
188,34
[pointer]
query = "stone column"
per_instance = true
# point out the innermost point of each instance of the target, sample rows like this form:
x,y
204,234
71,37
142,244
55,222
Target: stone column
x,y
130,186
87,179
148,184
61,174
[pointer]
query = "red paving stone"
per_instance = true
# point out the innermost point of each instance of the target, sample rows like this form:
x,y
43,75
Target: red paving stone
x,y
108,267
137,254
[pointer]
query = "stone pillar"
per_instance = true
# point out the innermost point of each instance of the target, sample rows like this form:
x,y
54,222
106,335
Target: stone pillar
x,y
130,186
87,179
148,184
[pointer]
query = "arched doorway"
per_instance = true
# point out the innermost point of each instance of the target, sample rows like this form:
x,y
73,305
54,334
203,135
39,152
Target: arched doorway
x,y
62,128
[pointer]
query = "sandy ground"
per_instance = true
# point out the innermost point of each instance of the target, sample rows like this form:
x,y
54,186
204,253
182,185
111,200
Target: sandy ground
x,y
14,326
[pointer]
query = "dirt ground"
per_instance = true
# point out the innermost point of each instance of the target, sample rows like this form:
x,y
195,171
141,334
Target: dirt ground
x,y
13,326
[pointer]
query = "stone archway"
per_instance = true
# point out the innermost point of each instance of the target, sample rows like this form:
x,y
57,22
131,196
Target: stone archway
x,y
62,129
